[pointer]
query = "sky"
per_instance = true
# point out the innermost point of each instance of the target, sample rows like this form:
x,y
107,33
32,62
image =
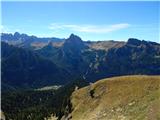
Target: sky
x,y
89,20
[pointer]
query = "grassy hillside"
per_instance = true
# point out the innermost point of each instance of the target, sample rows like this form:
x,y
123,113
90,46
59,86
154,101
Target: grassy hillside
x,y
118,98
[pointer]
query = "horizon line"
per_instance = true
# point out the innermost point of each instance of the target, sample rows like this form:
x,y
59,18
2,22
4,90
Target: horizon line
x,y
78,36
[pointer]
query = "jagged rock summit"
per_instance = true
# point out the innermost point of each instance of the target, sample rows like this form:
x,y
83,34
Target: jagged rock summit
x,y
74,42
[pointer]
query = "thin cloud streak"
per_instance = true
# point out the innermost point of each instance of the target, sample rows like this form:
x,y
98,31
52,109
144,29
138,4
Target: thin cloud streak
x,y
6,29
89,28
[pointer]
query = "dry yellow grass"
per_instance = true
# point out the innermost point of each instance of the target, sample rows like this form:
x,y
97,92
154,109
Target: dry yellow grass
x,y
105,45
119,98
2,117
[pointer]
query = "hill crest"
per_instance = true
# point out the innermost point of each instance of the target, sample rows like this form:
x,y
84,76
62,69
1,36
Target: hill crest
x,y
123,98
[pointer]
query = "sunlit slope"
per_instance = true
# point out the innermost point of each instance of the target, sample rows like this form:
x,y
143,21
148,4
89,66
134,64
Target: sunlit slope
x,y
118,98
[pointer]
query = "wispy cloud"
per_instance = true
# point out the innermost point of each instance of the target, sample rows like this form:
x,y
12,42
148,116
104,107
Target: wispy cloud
x,y
6,29
89,28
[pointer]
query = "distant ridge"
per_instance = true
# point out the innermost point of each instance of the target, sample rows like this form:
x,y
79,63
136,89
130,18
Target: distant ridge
x,y
75,58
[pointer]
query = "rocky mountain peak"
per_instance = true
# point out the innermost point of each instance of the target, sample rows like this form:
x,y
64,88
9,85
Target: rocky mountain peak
x,y
137,42
134,41
74,41
17,34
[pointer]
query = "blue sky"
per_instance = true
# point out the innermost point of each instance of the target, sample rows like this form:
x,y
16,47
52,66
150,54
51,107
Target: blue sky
x,y
89,20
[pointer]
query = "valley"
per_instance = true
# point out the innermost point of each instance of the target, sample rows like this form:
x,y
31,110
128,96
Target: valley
x,y
80,60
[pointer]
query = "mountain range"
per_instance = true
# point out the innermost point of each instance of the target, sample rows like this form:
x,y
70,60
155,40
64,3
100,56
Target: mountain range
x,y
59,79
32,62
